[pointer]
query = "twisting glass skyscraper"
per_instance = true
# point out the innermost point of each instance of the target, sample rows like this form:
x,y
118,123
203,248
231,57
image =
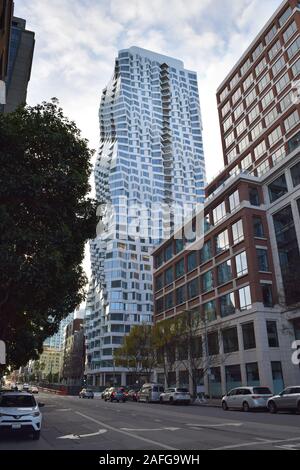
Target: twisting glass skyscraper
x,y
149,171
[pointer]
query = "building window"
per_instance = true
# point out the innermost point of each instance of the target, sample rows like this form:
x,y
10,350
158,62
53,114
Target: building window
x,y
180,295
272,334
267,99
288,250
224,272
262,259
222,242
193,288
271,34
237,232
258,228
241,264
267,295
291,121
233,376
259,150
179,245
234,201
159,259
245,298
230,340
192,261
252,374
283,19
159,282
169,276
213,343
169,302
275,136
168,252
263,168
219,213
206,252
295,172
160,305
179,268
246,162
208,281
274,50
290,31
294,48
210,311
254,197
278,188
278,66
282,83
248,336
227,305
296,68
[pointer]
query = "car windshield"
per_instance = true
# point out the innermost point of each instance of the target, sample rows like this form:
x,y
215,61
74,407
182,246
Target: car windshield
x,y
182,390
262,391
17,401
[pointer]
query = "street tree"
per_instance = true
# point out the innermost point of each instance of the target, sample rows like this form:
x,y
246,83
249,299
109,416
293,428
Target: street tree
x,y
46,218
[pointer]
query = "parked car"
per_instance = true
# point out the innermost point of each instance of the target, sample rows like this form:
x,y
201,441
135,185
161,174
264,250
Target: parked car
x,y
86,393
34,389
150,392
175,396
132,395
25,388
19,411
115,394
246,398
104,393
287,400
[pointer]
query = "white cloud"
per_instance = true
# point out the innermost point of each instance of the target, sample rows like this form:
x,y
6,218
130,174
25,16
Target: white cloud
x,y
77,41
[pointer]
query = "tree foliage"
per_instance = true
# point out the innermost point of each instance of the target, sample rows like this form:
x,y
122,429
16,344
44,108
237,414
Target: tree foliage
x,y
45,220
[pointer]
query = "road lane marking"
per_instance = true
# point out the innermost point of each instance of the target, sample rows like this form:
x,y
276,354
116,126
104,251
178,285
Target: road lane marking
x,y
64,409
112,428
214,425
79,436
249,444
148,429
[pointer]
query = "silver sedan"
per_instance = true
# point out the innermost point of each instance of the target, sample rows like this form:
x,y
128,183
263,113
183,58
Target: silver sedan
x,y
287,400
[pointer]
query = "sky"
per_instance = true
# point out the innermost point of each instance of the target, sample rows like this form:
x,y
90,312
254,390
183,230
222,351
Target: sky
x,y
78,40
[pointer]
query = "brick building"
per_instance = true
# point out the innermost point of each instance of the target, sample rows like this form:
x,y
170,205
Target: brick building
x,y
244,277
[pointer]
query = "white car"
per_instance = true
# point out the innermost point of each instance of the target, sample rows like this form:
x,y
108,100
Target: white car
x,y
246,398
19,411
34,389
175,396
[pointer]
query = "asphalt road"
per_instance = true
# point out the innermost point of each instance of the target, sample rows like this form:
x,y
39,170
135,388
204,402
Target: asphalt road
x,y
76,424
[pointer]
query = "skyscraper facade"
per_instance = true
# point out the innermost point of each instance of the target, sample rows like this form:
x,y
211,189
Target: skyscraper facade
x,y
149,174
21,49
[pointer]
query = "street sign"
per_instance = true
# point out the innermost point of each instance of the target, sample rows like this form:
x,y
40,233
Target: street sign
x,y
2,352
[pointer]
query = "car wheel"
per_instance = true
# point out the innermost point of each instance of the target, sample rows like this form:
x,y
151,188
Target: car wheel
x,y
161,401
272,407
224,406
171,401
36,435
246,407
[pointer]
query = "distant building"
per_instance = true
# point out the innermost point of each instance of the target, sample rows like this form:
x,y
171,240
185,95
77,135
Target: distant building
x,y
56,341
73,353
20,56
6,9
50,362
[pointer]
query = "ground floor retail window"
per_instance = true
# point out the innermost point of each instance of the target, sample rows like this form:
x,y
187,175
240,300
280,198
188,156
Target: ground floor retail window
x,y
252,374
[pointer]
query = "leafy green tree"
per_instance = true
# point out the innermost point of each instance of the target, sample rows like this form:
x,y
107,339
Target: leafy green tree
x,y
45,220
138,352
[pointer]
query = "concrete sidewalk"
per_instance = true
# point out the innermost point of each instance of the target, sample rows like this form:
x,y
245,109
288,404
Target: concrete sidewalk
x,y
214,402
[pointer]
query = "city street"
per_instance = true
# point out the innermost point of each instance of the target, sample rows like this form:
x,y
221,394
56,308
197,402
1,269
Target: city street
x,y
74,424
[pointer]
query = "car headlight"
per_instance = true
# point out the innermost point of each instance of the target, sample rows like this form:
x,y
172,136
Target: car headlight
x,y
36,413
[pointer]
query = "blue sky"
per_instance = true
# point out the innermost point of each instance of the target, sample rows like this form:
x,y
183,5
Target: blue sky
x,y
77,41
